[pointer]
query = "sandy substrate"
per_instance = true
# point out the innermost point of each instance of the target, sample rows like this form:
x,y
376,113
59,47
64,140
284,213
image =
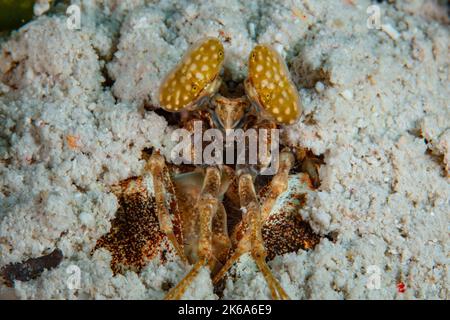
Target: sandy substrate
x,y
376,105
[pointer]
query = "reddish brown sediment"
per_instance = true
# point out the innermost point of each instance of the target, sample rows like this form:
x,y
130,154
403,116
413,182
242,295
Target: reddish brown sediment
x,y
284,230
135,237
287,232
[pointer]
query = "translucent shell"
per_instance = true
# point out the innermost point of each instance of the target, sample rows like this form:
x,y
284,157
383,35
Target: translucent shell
x,y
194,77
270,87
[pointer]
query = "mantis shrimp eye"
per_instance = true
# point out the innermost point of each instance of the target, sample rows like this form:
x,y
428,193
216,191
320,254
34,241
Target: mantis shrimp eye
x,y
193,77
270,87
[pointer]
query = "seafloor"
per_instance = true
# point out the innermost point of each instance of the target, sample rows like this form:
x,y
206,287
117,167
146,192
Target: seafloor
x,y
74,120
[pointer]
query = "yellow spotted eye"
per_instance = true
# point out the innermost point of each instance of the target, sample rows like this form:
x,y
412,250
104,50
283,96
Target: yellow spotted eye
x,y
270,87
193,77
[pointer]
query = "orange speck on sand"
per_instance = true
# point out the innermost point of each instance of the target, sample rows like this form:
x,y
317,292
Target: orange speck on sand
x,y
72,141
299,14
401,287
225,35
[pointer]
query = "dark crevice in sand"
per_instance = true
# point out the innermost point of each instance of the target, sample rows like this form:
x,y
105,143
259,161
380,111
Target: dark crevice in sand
x,y
31,268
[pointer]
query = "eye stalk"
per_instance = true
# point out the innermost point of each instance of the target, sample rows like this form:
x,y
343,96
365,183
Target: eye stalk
x,y
195,77
269,86
229,112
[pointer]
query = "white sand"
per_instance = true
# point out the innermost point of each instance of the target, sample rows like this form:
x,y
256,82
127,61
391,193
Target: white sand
x,y
371,99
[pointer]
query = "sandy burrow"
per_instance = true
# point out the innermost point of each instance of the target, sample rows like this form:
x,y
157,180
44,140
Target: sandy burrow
x,y
376,105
